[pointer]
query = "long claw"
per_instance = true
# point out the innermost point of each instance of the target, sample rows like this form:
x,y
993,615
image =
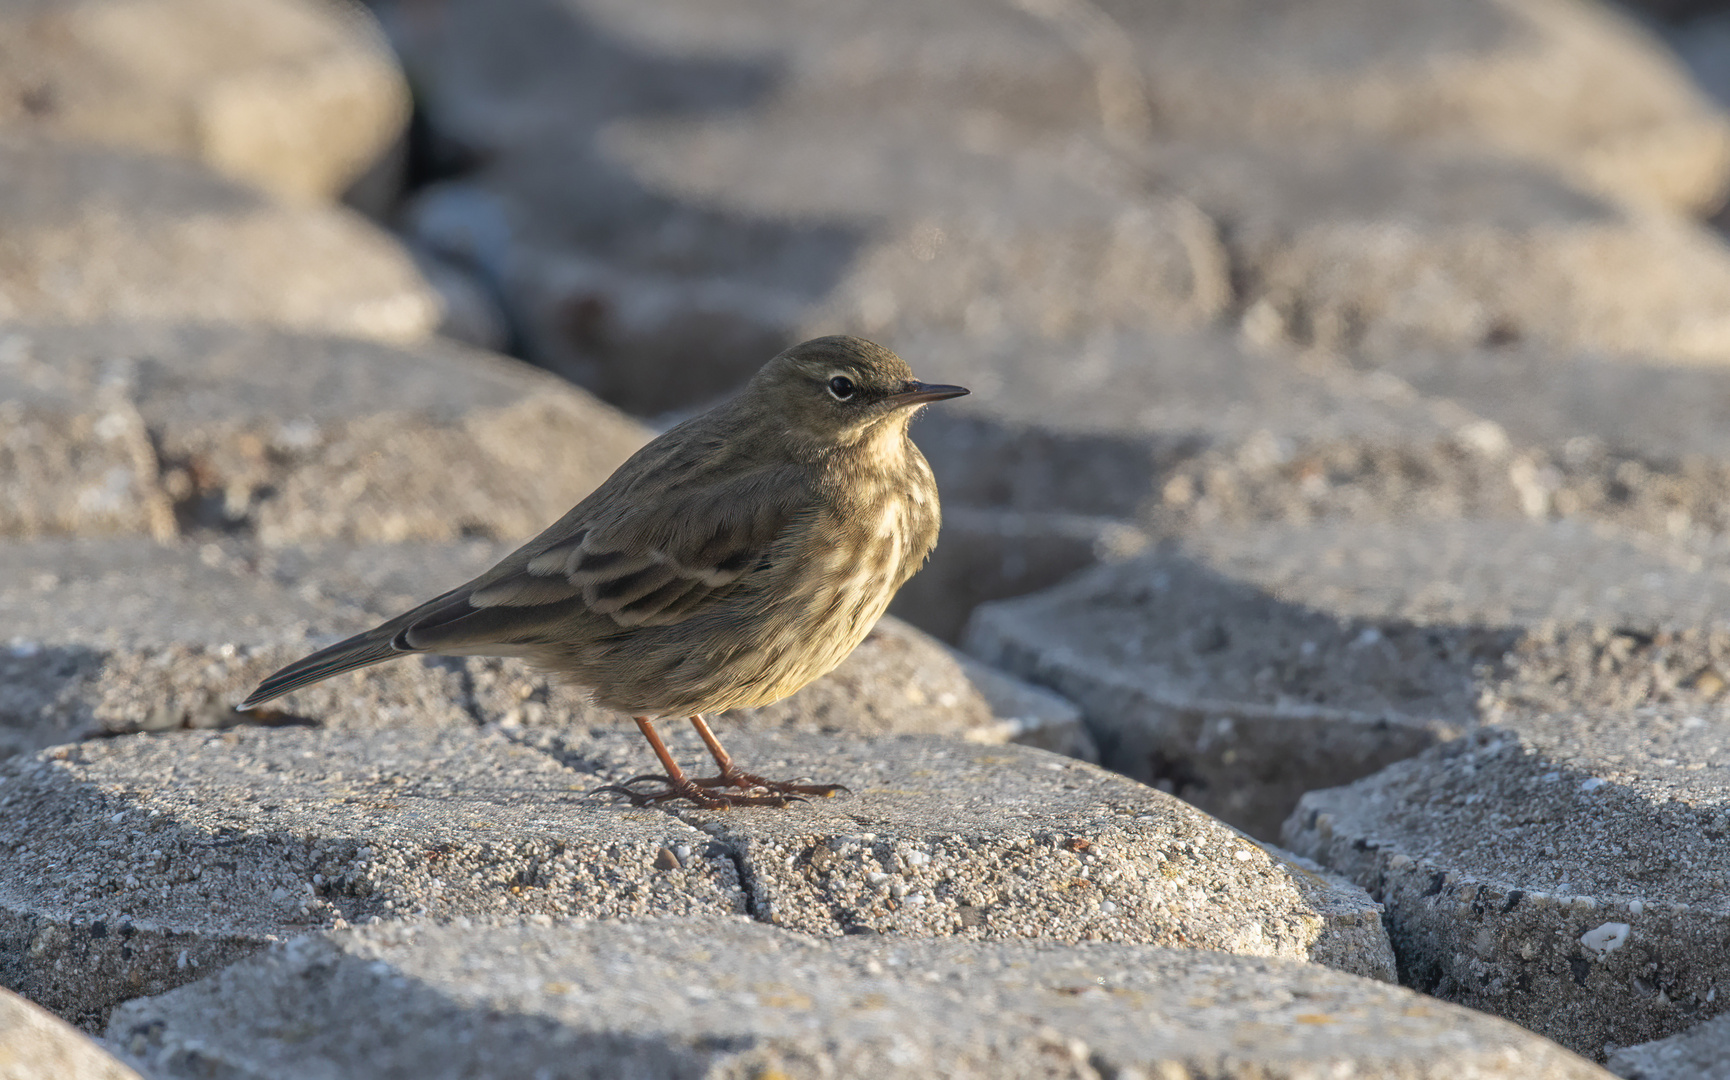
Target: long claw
x,y
659,778
751,781
693,794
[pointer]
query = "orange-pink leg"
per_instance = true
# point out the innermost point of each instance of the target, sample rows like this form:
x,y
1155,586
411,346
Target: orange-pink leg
x,y
732,776
679,786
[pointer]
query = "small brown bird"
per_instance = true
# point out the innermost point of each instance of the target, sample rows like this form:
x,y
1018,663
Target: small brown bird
x,y
728,563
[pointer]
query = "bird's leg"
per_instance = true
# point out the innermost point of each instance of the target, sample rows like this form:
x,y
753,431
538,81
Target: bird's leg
x,y
680,786
731,775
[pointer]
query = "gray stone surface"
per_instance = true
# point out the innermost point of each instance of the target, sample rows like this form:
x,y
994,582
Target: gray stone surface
x,y
37,1045
714,998
1377,248
1569,85
1575,87
730,241
941,837
1566,870
114,636
299,97
138,864
1193,427
1241,668
129,427
1700,1053
93,233
1641,444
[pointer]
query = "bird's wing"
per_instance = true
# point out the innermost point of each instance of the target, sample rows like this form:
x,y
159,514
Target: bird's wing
x,y
645,565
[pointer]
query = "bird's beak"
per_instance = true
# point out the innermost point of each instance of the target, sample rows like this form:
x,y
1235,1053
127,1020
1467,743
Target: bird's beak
x,y
918,393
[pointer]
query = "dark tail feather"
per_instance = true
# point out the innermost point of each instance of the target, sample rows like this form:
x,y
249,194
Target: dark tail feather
x,y
359,651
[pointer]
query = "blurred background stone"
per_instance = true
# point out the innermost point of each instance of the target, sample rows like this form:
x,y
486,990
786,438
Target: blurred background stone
x,y
135,427
88,232
299,97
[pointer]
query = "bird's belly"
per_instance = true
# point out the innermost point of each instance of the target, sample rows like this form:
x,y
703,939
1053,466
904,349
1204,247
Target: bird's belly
x,y
783,656
794,629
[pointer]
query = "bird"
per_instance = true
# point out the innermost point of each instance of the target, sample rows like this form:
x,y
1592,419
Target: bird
x,y
729,562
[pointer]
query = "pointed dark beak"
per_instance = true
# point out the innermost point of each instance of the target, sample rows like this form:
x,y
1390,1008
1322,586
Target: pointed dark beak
x,y
918,393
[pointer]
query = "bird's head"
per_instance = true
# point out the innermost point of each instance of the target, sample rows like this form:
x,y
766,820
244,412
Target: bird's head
x,y
842,390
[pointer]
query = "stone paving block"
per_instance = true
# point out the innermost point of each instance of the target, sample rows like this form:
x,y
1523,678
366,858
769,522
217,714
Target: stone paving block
x,y
298,97
1700,1053
128,427
88,233
713,998
1241,668
1566,870
37,1045
1573,87
1374,248
942,837
110,636
138,864
114,636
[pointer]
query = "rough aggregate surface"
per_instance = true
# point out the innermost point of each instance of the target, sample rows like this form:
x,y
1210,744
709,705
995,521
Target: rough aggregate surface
x,y
717,998
1567,871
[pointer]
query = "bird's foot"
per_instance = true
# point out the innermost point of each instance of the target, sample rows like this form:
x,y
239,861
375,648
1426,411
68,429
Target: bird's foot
x,y
691,791
731,777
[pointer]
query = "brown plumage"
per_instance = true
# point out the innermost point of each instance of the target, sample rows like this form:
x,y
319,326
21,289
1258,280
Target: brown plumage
x,y
728,563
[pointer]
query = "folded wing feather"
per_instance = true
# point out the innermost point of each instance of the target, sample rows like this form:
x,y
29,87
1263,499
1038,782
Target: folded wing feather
x,y
639,569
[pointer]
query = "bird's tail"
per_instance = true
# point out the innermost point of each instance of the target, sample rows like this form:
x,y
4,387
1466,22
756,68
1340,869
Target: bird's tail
x,y
362,650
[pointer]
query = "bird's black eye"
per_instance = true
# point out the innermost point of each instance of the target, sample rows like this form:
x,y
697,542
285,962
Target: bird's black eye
x,y
842,387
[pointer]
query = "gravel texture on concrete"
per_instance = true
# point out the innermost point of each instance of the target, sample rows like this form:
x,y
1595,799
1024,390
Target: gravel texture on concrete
x,y
161,429
140,863
1641,444
1700,1053
116,636
715,998
1241,668
940,837
112,636
1568,871
298,97
37,1045
92,233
